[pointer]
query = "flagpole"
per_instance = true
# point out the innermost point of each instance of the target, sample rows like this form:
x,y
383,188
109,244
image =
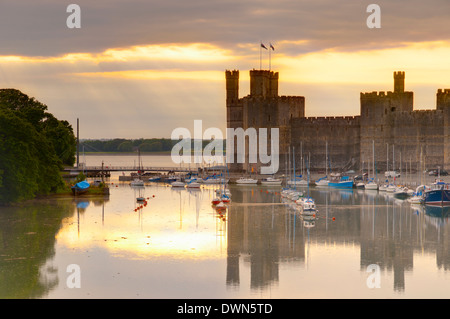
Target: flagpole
x,y
269,59
260,55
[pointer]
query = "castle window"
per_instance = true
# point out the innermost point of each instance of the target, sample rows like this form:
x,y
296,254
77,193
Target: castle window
x,y
392,109
269,118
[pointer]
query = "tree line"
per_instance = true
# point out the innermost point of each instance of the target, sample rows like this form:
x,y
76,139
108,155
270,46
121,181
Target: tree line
x,y
34,147
122,145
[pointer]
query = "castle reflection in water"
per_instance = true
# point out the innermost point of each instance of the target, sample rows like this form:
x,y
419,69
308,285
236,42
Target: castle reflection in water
x,y
388,231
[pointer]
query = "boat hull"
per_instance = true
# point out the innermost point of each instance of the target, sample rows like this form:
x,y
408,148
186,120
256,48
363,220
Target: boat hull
x,y
246,182
79,191
80,188
346,184
322,183
371,186
438,197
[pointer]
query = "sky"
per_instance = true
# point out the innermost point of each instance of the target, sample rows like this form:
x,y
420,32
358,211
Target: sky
x,y
140,69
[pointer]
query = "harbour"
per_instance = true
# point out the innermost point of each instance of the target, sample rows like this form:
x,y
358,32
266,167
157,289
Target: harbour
x,y
259,247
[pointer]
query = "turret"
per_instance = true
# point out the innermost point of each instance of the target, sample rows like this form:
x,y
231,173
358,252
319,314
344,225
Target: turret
x,y
399,82
232,85
443,99
263,83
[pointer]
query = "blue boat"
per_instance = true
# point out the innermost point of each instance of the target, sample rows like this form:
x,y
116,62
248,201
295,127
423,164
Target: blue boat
x,y
341,182
438,194
80,188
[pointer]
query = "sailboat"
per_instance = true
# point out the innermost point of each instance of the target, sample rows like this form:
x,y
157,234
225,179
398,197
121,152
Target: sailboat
x,y
247,180
371,184
271,181
138,181
297,180
307,204
193,184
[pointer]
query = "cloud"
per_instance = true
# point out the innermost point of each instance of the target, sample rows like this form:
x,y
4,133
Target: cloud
x,y
34,28
142,68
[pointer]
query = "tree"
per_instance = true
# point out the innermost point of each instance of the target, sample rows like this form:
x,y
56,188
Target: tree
x,y
125,147
33,147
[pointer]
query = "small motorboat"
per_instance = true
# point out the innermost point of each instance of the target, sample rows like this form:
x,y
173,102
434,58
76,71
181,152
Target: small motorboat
x,y
80,188
246,181
271,181
177,184
137,182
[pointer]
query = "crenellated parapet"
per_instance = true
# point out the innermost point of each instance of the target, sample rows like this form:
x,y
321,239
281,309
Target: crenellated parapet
x,y
442,99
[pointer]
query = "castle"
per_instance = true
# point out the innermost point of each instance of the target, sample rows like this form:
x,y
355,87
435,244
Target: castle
x,y
387,128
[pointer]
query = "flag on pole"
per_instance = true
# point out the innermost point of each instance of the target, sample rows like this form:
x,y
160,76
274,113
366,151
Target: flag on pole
x,y
271,46
263,46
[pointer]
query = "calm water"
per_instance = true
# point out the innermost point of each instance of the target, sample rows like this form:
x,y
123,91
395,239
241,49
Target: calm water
x,y
179,247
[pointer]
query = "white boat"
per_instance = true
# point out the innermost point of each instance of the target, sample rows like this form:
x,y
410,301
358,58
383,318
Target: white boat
x,y
322,181
391,188
383,187
192,184
307,204
401,192
271,181
371,185
137,182
177,184
220,192
246,181
417,197
360,185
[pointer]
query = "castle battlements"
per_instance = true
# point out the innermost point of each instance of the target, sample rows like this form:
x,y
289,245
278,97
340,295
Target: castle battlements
x,y
386,118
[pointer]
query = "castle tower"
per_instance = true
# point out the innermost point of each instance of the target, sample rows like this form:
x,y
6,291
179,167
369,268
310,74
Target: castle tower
x,y
232,85
443,104
234,108
263,83
399,82
442,99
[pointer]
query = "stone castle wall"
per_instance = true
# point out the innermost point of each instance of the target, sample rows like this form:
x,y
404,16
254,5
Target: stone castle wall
x,y
387,123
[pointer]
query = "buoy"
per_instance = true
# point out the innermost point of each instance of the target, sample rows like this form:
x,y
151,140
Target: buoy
x,y
314,215
334,218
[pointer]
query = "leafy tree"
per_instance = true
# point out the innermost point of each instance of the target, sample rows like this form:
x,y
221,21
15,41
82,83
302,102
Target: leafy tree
x,y
125,146
33,147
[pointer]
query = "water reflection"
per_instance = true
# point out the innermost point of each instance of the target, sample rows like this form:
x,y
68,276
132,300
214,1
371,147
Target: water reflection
x,y
387,231
258,245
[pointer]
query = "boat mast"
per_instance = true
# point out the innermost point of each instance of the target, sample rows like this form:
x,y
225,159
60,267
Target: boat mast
x,y
387,157
373,159
293,161
326,158
78,143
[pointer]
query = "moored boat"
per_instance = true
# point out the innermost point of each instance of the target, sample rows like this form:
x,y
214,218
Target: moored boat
x,y
246,181
438,194
322,182
341,182
193,184
371,185
80,188
271,181
137,182
177,184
